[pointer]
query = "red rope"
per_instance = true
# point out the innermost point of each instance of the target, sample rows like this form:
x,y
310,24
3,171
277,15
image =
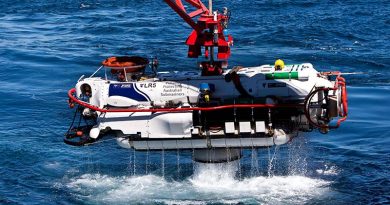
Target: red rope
x,y
92,107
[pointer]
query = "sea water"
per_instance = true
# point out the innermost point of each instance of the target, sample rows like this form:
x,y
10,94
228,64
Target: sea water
x,y
45,46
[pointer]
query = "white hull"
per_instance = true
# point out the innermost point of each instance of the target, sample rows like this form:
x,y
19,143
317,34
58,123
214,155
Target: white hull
x,y
198,129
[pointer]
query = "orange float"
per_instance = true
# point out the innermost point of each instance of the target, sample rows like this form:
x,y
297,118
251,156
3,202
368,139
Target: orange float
x,y
129,63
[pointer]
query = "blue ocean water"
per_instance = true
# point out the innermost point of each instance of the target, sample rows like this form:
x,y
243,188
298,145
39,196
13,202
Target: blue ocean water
x,y
45,46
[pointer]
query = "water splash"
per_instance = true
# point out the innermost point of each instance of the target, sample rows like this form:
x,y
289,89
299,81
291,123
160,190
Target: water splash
x,y
163,162
134,162
211,183
282,180
214,175
129,167
271,161
147,162
297,156
254,162
178,161
328,170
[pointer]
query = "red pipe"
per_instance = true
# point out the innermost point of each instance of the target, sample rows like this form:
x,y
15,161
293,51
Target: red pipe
x,y
92,107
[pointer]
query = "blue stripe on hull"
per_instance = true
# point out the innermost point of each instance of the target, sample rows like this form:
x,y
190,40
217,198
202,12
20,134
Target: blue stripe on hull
x,y
139,91
126,90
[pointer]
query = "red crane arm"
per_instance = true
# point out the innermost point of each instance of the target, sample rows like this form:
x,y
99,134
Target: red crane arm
x,y
178,7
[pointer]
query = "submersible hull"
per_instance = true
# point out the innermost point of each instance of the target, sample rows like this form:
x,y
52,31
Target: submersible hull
x,y
258,107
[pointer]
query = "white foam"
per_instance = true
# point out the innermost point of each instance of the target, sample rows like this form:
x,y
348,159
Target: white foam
x,y
328,170
210,184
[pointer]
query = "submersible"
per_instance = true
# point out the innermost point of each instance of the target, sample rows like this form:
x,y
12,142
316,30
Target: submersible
x,y
217,110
